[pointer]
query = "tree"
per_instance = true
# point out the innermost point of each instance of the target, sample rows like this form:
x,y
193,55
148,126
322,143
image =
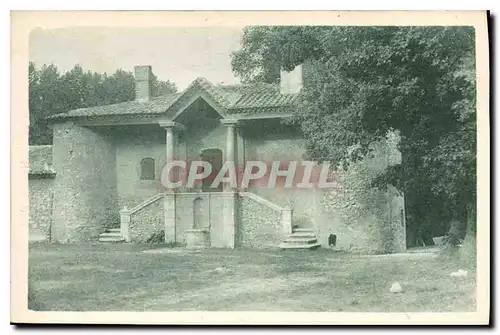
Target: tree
x,y
51,93
363,82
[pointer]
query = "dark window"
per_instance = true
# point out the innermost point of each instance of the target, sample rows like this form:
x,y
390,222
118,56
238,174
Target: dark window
x,y
214,157
147,169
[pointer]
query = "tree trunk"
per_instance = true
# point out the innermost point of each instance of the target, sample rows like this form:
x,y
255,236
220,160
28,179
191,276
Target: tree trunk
x,y
470,227
456,232
468,251
463,225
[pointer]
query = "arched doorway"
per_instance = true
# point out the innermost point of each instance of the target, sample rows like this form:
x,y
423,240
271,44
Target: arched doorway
x,y
214,157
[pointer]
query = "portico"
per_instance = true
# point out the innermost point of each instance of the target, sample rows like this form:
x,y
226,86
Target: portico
x,y
178,150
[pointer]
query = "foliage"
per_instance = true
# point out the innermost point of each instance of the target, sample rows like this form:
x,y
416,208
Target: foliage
x,y
156,237
363,82
51,92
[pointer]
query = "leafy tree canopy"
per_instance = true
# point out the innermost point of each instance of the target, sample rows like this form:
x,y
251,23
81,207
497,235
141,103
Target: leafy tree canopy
x,y
362,82
51,92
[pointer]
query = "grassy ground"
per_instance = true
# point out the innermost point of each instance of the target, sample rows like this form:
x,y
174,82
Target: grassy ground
x,y
124,278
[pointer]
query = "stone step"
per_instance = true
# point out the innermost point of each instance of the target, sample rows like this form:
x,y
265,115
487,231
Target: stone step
x,y
302,234
304,230
111,239
114,230
111,235
299,246
301,240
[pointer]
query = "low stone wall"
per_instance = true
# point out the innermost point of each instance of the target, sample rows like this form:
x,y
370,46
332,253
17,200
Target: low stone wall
x,y
147,225
40,208
259,226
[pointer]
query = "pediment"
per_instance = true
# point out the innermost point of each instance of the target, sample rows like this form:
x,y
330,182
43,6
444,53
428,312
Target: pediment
x,y
200,89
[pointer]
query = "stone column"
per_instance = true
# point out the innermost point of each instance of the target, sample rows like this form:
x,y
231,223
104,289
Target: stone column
x,y
230,147
240,150
286,220
229,196
169,205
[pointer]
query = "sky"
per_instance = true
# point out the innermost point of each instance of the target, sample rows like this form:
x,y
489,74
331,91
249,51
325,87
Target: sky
x,y
177,54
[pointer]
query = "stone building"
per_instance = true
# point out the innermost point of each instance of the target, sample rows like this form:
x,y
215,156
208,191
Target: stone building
x,y
102,177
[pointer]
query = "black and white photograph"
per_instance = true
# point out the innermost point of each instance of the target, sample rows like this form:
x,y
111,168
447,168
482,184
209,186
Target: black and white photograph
x,y
322,166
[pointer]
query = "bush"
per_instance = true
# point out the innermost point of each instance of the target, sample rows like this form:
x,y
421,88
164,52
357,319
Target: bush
x,y
157,237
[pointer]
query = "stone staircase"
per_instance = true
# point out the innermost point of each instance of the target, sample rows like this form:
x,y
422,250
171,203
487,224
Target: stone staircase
x,y
301,238
111,235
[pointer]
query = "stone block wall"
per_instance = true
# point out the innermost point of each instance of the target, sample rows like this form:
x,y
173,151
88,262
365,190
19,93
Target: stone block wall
x,y
217,238
185,211
210,216
258,225
40,208
365,219
147,225
397,219
85,187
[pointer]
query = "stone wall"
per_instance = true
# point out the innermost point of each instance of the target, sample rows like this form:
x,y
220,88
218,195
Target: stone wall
x,y
211,135
280,143
211,212
40,208
132,145
258,225
147,225
85,186
365,219
397,219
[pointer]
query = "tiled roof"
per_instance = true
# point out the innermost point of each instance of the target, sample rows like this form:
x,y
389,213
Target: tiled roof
x,y
260,98
40,160
235,99
155,105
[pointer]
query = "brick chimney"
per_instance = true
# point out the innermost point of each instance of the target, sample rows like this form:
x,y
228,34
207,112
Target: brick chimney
x,y
143,76
291,82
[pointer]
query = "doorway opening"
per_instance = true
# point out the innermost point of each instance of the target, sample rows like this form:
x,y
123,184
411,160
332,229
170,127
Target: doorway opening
x,y
214,157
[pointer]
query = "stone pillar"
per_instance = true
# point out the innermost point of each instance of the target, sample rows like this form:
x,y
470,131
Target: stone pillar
x,y
230,148
125,224
240,150
169,205
171,130
286,220
170,214
229,195
169,143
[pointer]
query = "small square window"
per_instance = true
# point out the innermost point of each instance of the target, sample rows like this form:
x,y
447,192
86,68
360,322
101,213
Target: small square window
x,y
147,169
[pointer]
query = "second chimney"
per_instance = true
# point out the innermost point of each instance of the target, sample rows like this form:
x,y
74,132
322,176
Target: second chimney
x,y
292,82
143,76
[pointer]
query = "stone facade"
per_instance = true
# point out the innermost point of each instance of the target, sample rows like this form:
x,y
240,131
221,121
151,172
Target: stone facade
x,y
100,174
132,145
96,164
85,187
